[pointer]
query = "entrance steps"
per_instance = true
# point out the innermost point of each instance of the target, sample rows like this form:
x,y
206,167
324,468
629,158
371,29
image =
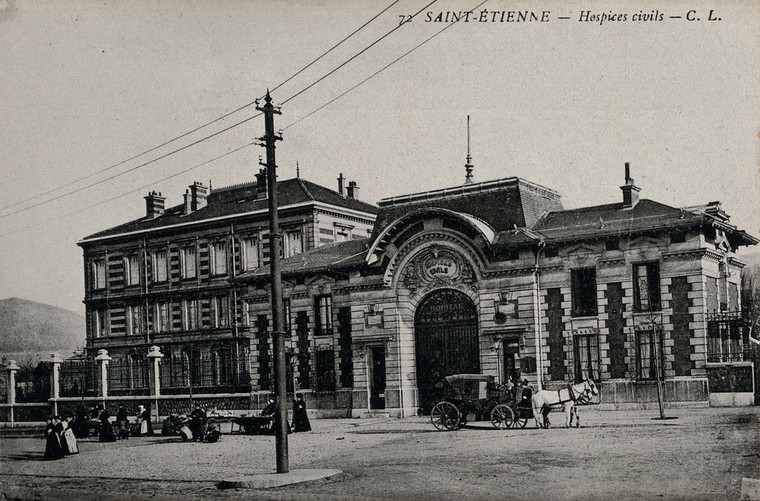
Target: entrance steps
x,y
379,414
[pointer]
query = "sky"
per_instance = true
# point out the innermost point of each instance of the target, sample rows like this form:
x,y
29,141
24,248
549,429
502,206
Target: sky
x,y
88,85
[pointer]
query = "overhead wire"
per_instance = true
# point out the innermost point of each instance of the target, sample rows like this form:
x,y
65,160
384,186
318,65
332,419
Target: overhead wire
x,y
333,47
185,134
356,55
82,188
252,117
120,195
378,71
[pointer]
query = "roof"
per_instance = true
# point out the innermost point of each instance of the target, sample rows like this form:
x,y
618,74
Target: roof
x,y
239,200
503,203
616,219
330,257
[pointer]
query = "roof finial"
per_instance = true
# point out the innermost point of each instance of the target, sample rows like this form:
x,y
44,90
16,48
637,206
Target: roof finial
x,y
298,170
468,165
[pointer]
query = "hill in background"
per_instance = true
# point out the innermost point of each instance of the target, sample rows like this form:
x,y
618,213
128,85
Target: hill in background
x,y
30,331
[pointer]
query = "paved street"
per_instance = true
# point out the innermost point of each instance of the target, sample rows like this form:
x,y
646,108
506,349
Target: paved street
x,y
703,454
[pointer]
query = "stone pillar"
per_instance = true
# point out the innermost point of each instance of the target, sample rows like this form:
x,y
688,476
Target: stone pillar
x,y
11,369
155,356
103,360
55,380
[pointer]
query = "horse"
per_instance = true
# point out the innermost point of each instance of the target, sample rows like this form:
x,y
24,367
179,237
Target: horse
x,y
568,397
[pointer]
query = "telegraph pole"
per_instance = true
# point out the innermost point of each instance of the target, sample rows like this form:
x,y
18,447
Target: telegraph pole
x,y
278,334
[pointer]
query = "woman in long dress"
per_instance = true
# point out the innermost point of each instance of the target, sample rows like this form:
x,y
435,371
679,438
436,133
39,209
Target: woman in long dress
x,y
68,439
300,417
106,428
146,426
53,449
142,427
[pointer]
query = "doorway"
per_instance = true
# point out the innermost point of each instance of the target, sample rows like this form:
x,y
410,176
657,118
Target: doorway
x,y
377,380
510,357
446,341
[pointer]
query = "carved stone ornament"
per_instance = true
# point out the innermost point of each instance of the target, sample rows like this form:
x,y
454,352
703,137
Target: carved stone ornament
x,y
437,267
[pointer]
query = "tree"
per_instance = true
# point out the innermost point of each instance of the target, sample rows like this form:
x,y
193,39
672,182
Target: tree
x,y
751,301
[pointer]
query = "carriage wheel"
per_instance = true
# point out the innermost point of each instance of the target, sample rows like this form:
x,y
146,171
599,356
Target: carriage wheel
x,y
445,416
521,422
502,417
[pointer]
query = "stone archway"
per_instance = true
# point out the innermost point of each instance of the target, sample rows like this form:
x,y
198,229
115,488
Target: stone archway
x,y
446,341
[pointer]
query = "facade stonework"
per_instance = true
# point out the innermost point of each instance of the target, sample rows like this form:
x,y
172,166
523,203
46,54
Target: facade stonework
x,y
494,278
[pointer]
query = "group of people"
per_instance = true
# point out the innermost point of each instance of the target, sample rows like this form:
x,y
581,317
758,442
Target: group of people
x,y
61,434
300,417
522,391
59,438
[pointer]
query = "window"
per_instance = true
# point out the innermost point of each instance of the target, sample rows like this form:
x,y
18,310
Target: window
x,y
162,317
551,251
222,360
292,243
646,351
219,258
325,370
247,317
646,286
323,315
136,371
286,315
133,319
584,292
99,274
250,253
160,266
586,357
219,312
99,322
725,340
188,263
342,233
132,269
190,314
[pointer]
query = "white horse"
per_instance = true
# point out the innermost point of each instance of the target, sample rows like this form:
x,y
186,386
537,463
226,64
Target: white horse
x,y
568,397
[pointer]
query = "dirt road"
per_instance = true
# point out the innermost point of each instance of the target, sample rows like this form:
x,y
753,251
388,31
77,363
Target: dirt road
x,y
703,454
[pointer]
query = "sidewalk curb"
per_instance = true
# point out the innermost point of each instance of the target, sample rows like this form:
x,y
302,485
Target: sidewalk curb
x,y
271,480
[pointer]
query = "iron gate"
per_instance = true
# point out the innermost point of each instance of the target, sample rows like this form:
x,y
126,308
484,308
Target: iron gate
x,y
446,341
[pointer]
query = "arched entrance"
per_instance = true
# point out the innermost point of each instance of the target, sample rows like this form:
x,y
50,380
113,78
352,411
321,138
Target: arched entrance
x,y
446,341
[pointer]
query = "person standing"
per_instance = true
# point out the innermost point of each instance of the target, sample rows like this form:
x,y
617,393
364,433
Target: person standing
x,y
68,440
197,422
146,426
142,427
81,422
122,420
300,417
106,429
53,449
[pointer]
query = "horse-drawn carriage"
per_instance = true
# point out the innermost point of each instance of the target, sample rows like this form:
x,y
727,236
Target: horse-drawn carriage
x,y
476,395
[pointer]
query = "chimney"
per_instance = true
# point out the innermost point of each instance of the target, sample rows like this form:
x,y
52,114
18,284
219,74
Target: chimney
x,y
199,196
154,204
261,184
630,191
188,202
352,191
715,210
340,183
